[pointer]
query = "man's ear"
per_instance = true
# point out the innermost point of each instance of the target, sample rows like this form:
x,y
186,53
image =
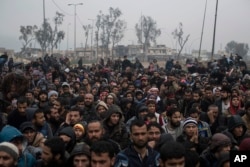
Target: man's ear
x,y
113,161
57,156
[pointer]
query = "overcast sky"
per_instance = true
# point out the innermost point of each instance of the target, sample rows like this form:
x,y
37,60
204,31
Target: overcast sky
x,y
232,19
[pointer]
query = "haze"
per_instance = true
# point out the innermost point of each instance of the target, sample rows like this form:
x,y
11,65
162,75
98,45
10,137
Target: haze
x,y
232,20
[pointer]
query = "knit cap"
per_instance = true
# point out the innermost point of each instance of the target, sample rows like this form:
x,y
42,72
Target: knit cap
x,y
188,121
9,148
245,145
52,92
219,140
79,126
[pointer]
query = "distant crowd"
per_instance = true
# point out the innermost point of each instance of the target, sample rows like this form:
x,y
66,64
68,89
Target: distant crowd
x,y
116,113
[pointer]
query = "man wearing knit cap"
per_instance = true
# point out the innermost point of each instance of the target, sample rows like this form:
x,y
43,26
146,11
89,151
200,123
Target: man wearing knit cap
x,y
8,154
52,95
219,145
190,137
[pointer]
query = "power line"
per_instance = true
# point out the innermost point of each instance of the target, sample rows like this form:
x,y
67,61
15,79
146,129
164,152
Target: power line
x,y
63,11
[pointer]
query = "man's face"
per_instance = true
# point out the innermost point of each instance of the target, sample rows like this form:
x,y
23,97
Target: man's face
x,y
174,162
175,119
95,131
209,94
81,161
29,134
39,119
154,134
151,108
88,99
75,117
36,91
47,156
80,104
21,107
196,96
65,89
114,119
53,97
54,114
43,97
101,160
191,130
215,111
187,95
238,131
139,136
224,95
115,90
235,101
29,96
6,160
66,139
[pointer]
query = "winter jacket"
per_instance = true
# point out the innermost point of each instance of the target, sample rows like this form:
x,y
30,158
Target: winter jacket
x,y
117,132
68,131
7,134
233,122
130,158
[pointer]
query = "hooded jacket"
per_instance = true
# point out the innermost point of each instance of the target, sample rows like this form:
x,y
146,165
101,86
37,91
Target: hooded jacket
x,y
233,122
68,131
7,134
116,132
79,149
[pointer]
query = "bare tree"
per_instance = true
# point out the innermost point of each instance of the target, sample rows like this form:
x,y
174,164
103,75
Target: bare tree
x,y
57,35
109,28
147,32
43,35
237,48
178,35
27,36
117,33
49,38
86,29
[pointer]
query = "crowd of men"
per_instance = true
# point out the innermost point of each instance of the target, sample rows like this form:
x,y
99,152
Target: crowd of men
x,y
123,114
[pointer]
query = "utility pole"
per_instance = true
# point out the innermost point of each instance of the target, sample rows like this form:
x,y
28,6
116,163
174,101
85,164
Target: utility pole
x,y
92,54
75,26
68,37
212,56
202,30
44,35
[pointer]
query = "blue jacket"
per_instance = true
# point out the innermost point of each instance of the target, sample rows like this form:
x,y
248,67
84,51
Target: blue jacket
x,y
7,134
130,158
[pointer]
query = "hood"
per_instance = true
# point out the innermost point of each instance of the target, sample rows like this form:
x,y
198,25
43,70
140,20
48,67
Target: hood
x,y
102,103
8,133
114,109
235,121
81,148
69,131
